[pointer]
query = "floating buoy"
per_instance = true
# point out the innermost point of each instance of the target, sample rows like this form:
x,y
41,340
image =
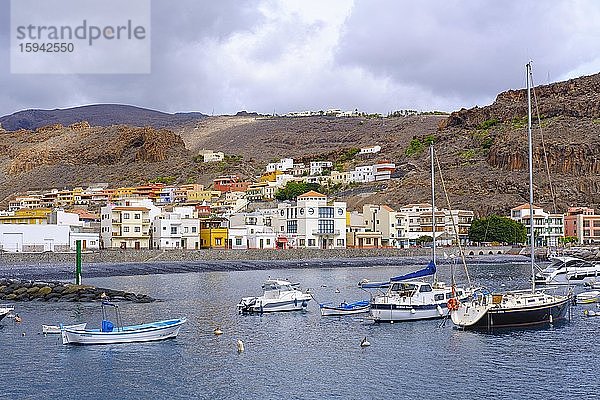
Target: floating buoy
x,y
413,311
365,342
23,334
218,331
240,346
551,319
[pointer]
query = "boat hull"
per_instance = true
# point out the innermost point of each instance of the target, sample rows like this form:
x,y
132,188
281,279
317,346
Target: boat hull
x,y
55,329
344,309
265,306
5,311
398,313
155,331
490,317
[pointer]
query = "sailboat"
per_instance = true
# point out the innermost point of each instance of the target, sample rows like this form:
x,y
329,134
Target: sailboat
x,y
406,298
486,310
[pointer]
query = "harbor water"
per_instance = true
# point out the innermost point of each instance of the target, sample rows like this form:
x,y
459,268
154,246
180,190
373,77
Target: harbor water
x,y
295,355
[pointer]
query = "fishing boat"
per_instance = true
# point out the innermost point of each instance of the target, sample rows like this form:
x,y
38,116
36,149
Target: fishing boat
x,y
278,295
5,310
357,307
568,271
55,329
110,333
405,297
487,310
591,296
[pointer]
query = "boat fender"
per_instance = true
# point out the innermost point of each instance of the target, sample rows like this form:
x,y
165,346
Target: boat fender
x,y
295,302
452,304
439,310
304,304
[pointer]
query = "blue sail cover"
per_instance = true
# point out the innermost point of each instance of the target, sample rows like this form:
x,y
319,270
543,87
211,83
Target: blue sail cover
x,y
429,270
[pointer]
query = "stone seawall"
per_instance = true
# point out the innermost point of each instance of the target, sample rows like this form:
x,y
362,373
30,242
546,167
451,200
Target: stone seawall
x,y
118,256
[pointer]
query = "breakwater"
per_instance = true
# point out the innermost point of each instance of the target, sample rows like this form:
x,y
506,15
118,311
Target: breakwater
x,y
28,290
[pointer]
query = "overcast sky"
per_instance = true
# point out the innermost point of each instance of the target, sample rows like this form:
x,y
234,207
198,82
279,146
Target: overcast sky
x,y
378,56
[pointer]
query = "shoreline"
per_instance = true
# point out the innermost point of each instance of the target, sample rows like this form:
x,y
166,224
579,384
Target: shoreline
x,y
109,263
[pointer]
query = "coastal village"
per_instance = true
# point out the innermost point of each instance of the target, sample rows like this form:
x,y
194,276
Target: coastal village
x,y
233,213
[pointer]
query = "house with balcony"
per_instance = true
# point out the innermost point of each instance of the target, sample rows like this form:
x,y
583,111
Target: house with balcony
x,y
312,222
38,216
176,229
358,235
230,183
317,167
251,231
548,228
127,226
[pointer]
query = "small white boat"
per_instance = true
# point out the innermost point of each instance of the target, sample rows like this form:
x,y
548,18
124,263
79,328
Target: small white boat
x,y
591,313
51,329
5,310
569,271
592,296
111,334
278,295
358,307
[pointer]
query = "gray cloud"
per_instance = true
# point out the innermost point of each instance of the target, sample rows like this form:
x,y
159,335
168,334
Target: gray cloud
x,y
299,55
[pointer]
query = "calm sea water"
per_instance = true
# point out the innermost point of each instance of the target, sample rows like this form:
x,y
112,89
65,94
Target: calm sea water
x,y
293,355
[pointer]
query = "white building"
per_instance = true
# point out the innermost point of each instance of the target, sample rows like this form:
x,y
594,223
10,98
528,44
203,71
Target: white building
x,y
311,222
34,238
127,224
283,165
251,231
176,229
317,167
370,150
211,156
362,174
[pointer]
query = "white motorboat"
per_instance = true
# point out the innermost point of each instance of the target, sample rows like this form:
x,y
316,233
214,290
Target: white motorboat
x,y
413,300
110,333
55,329
278,295
591,296
5,310
569,271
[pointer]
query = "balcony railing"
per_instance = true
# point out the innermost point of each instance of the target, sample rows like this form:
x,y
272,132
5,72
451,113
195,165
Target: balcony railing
x,y
325,232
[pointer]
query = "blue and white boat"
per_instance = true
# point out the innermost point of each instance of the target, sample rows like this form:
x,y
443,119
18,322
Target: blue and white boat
x,y
110,333
357,307
408,299
278,295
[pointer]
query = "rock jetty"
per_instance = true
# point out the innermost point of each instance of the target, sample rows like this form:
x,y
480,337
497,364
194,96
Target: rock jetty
x,y
27,290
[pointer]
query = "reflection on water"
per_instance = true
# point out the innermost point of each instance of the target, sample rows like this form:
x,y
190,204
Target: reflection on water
x,y
293,355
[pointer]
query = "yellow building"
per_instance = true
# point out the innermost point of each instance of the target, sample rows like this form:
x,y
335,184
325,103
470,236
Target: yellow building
x,y
270,176
203,195
27,216
213,235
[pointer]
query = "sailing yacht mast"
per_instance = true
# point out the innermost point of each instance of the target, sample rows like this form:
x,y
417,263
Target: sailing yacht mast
x,y
433,208
529,140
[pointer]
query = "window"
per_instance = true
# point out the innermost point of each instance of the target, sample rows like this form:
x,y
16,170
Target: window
x,y
292,226
185,229
173,230
217,241
125,215
268,242
340,242
438,297
137,216
325,226
238,241
125,229
193,229
302,242
311,242
137,229
164,228
325,212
